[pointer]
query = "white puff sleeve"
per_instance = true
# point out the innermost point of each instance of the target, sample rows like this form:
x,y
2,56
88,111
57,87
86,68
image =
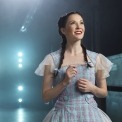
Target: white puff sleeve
x,y
48,60
103,64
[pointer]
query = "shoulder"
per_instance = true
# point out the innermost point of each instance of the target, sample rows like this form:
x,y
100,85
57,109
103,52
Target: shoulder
x,y
52,54
55,54
91,52
92,56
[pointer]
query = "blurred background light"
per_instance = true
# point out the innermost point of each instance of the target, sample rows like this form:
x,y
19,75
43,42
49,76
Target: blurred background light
x,y
20,100
20,54
20,65
23,29
20,88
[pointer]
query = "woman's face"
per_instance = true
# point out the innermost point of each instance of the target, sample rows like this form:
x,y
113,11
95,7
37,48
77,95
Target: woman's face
x,y
74,28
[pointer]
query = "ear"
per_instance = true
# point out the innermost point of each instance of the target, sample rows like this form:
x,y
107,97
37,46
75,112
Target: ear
x,y
63,31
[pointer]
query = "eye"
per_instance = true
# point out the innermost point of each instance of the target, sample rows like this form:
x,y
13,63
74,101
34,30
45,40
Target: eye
x,y
81,22
73,22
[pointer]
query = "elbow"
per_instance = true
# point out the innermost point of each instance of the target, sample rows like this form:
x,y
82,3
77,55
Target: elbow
x,y
45,97
104,94
45,100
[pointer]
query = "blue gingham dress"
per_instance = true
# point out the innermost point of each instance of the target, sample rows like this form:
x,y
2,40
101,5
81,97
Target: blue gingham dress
x,y
73,105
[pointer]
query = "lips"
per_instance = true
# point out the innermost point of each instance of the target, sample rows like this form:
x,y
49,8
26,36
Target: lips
x,y
78,32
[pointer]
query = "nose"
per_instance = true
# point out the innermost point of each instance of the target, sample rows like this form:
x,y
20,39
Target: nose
x,y
78,25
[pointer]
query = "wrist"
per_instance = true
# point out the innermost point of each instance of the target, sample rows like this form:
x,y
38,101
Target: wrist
x,y
93,87
65,82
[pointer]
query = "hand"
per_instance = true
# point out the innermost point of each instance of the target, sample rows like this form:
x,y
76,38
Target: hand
x,y
84,85
71,71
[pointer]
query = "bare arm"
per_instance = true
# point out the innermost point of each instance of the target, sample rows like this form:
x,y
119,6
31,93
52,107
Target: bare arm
x,y
102,68
50,92
100,90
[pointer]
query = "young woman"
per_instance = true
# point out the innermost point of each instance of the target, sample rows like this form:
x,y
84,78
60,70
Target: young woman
x,y
73,75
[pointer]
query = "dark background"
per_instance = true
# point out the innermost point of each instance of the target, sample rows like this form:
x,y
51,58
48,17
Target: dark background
x,y
103,21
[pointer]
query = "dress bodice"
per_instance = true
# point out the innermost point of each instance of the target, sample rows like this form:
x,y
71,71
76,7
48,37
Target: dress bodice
x,y
71,92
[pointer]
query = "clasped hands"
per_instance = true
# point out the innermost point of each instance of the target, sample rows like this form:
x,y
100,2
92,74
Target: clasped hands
x,y
82,84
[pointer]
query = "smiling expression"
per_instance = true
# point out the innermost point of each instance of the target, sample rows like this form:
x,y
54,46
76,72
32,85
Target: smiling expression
x,y
74,28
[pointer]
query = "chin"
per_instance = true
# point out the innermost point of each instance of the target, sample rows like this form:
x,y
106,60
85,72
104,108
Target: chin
x,y
78,38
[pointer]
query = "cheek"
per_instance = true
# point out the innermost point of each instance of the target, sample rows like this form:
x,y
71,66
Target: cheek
x,y
70,30
83,28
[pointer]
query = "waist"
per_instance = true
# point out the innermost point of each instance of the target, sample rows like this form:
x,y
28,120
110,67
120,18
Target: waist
x,y
67,101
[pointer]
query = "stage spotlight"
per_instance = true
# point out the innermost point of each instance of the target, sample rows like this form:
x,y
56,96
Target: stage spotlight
x,y
20,88
20,100
20,65
23,29
20,54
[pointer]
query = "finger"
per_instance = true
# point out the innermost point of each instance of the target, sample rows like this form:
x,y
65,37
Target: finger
x,y
72,70
82,89
82,86
74,73
81,83
72,66
83,79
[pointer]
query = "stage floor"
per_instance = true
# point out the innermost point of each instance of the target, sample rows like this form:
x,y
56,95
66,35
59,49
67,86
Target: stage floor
x,y
21,115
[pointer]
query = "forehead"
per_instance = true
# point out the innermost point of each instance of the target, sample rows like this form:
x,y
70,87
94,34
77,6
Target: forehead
x,y
75,17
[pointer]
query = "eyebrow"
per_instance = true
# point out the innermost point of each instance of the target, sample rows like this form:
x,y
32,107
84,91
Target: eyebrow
x,y
74,20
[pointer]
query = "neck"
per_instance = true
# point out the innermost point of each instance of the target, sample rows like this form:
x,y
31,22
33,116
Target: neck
x,y
74,48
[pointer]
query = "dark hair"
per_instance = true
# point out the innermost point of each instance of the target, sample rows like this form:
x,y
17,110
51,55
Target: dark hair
x,y
61,24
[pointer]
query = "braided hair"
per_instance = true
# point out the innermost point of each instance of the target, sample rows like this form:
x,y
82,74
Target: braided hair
x,y
61,24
